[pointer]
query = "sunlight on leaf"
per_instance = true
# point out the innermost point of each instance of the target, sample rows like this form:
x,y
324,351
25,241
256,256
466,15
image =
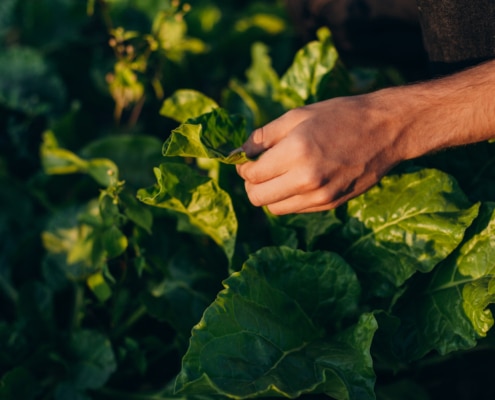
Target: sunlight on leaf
x,y
268,22
212,135
185,104
406,223
207,207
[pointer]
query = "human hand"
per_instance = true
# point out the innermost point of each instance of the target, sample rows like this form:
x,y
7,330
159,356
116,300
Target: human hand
x,y
318,156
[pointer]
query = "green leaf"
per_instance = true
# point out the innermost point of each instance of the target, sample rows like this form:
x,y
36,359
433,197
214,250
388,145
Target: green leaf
x,y
180,189
449,309
136,211
212,135
260,94
270,23
262,77
182,296
266,333
404,224
187,103
134,155
92,359
305,228
311,69
79,241
113,241
99,286
59,161
316,73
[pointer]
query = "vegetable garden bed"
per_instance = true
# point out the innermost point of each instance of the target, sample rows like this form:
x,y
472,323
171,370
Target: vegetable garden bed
x,y
132,265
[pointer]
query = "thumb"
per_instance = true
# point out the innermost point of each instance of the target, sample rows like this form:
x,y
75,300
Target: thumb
x,y
255,143
266,136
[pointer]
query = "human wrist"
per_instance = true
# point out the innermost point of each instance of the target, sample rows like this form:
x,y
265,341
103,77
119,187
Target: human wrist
x,y
430,116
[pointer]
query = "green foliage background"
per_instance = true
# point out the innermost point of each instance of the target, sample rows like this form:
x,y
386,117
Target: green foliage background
x,y
132,265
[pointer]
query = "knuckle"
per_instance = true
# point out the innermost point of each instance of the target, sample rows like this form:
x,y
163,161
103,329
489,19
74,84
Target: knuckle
x,y
312,179
302,145
324,198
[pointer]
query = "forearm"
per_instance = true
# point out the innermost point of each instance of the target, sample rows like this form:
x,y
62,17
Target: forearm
x,y
434,115
316,157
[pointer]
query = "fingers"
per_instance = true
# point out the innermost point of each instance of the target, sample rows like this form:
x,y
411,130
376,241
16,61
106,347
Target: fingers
x,y
318,200
290,183
305,189
322,199
270,165
267,136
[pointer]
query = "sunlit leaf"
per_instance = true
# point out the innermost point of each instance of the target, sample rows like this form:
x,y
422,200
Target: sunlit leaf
x,y
270,23
406,223
187,103
212,135
450,310
59,161
99,286
207,207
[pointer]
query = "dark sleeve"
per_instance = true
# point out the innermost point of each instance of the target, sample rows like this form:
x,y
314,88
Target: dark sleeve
x,y
457,33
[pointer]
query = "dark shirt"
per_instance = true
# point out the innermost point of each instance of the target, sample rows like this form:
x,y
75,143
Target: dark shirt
x,y
421,37
457,33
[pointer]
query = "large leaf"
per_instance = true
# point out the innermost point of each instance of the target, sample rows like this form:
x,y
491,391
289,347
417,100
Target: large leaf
x,y
312,68
211,135
450,310
406,223
208,208
271,331
187,103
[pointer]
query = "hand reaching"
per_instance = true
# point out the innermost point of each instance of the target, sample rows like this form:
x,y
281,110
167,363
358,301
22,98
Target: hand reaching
x,y
316,157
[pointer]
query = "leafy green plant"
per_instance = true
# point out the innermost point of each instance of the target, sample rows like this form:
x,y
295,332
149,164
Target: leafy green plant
x,y
133,266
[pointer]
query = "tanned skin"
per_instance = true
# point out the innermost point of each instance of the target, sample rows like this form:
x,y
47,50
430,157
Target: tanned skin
x,y
317,157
